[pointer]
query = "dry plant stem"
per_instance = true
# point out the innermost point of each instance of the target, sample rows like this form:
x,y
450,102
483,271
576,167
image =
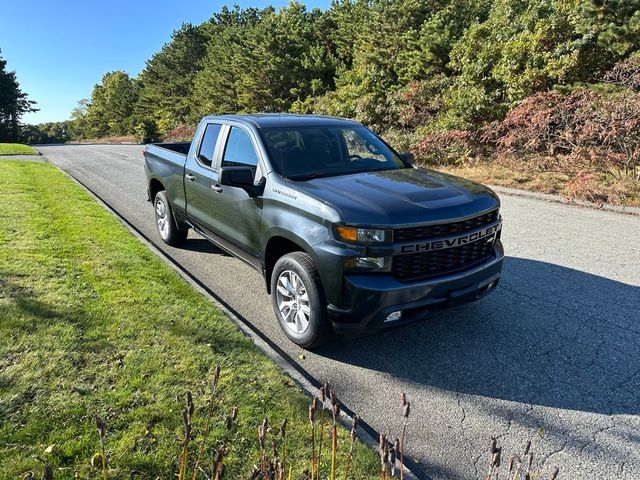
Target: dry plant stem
x,y
183,458
102,433
334,448
104,464
48,473
320,441
187,413
283,435
334,433
381,444
216,376
350,454
324,393
262,432
219,465
406,408
348,465
313,450
395,448
312,422
402,438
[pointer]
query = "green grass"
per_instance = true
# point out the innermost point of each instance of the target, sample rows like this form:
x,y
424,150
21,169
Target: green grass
x,y
92,322
16,149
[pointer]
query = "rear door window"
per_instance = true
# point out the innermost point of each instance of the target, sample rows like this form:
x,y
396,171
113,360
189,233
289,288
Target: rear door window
x,y
208,144
239,151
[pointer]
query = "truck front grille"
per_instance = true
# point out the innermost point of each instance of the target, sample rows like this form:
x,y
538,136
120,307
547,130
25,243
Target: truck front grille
x,y
427,232
424,265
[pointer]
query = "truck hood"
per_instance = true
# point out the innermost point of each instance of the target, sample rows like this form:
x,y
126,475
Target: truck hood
x,y
399,197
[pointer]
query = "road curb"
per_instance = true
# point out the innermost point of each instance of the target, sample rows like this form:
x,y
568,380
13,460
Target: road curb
x,y
33,158
548,197
309,385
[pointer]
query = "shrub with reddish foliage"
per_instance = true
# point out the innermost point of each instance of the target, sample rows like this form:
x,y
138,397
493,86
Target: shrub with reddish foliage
x,y
181,133
419,102
626,73
447,148
544,123
583,131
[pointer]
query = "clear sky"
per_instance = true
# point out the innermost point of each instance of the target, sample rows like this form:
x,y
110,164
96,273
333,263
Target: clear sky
x,y
60,49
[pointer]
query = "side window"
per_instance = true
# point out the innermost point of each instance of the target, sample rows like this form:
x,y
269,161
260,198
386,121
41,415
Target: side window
x,y
239,151
208,145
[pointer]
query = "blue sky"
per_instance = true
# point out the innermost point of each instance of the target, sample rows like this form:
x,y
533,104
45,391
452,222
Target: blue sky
x,y
60,49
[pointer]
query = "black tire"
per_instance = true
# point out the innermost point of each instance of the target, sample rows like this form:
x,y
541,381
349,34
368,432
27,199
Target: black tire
x,y
318,329
169,231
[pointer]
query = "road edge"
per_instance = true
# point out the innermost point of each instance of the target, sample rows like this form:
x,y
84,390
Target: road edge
x,y
367,434
576,202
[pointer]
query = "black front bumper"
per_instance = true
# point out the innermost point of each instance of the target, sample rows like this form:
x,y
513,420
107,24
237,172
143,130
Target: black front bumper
x,y
371,298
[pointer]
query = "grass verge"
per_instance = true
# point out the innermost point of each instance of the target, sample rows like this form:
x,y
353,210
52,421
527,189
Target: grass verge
x,y
16,149
594,187
92,322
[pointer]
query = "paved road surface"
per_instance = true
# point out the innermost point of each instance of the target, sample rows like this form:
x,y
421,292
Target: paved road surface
x,y
553,355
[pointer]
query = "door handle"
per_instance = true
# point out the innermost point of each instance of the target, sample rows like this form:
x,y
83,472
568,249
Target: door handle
x,y
190,177
216,188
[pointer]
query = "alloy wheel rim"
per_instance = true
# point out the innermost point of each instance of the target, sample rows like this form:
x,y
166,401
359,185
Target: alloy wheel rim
x,y
293,302
162,219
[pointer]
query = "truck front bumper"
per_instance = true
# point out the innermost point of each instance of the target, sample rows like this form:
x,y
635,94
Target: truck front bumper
x,y
370,299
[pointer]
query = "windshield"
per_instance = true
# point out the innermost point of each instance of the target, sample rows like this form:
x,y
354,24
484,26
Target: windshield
x,y
300,153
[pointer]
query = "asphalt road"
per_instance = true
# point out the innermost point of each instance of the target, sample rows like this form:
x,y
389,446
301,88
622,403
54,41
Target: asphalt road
x,y
553,355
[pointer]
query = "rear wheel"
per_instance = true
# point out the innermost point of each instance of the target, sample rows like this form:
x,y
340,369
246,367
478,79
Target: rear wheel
x,y
169,231
298,300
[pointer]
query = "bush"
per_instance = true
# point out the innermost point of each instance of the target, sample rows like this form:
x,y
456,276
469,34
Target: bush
x,y
626,73
146,131
418,103
181,133
448,148
583,131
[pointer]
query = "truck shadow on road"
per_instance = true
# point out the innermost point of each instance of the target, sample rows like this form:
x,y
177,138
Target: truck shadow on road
x,y
549,336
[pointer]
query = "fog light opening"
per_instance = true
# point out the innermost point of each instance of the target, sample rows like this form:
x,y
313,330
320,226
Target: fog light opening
x,y
393,316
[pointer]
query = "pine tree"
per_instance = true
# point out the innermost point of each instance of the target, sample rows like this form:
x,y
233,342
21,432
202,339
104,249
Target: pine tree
x,y
14,103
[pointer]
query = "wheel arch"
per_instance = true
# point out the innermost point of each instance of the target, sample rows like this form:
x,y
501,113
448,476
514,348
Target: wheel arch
x,y
278,245
155,186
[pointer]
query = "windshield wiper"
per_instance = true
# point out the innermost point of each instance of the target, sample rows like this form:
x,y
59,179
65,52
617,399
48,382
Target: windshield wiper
x,y
308,176
312,175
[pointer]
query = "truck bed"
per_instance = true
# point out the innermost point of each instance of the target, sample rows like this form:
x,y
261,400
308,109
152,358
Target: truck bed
x,y
167,161
177,147
173,154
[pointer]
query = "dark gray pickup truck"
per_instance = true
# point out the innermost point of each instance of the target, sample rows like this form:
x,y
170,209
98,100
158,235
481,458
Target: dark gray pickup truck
x,y
347,233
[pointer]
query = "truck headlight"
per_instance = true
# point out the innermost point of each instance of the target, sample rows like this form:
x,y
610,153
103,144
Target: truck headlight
x,y
366,236
368,264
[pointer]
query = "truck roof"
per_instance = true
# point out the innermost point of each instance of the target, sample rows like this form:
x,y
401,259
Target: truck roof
x,y
263,120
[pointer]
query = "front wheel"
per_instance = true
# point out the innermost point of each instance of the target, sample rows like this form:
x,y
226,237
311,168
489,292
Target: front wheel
x,y
165,223
298,300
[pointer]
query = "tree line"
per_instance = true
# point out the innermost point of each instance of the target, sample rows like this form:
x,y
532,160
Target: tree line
x,y
14,103
406,68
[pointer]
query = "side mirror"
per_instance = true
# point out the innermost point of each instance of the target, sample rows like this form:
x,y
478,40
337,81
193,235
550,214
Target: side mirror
x,y
236,176
241,177
408,157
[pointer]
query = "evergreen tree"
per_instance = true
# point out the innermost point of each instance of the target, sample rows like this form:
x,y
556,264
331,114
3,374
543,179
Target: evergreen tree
x,y
14,103
168,79
110,111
